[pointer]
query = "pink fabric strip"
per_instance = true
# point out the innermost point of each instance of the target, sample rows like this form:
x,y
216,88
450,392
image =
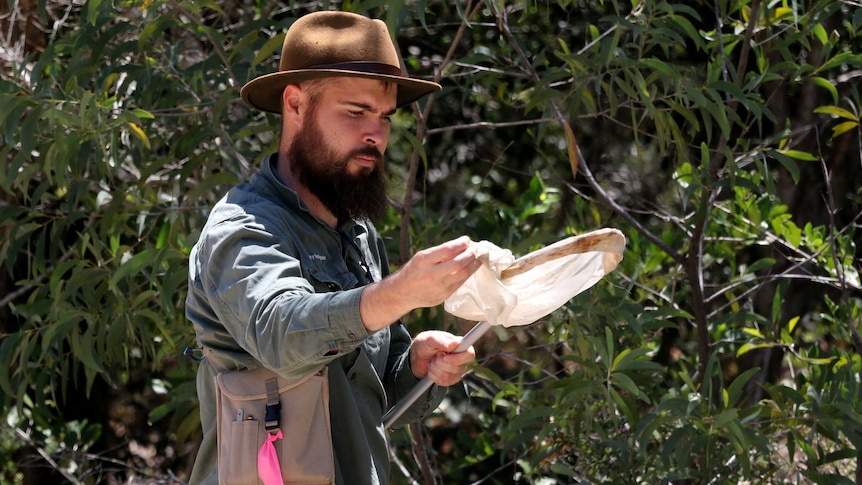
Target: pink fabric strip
x,y
267,461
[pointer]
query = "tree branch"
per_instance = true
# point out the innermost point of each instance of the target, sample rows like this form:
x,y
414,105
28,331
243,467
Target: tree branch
x,y
404,253
421,132
486,124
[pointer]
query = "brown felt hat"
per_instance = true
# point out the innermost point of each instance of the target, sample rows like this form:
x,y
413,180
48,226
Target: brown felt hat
x,y
334,44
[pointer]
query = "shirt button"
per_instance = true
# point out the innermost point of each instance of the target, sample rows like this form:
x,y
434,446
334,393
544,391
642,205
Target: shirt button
x,y
332,286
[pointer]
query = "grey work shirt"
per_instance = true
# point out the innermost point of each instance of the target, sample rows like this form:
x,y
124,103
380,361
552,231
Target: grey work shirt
x,y
271,285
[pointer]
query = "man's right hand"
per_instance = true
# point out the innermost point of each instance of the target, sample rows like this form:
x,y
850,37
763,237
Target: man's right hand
x,y
431,276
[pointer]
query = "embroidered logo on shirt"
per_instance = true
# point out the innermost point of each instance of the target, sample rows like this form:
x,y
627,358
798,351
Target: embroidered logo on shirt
x,y
318,257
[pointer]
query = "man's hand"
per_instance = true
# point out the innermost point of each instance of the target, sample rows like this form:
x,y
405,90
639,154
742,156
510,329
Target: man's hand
x,y
430,277
429,355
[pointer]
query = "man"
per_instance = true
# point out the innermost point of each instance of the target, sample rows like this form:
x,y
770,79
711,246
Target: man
x,y
289,273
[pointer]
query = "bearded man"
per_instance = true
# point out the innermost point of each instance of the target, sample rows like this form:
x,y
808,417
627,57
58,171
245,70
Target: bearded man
x,y
289,273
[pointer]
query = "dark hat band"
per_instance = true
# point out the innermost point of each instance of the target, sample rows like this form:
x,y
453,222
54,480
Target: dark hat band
x,y
361,66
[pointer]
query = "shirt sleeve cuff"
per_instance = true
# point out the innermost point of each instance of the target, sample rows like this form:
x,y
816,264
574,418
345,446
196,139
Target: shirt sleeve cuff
x,y
346,325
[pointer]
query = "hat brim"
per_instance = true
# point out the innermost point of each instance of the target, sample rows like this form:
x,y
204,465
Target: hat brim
x,y
264,92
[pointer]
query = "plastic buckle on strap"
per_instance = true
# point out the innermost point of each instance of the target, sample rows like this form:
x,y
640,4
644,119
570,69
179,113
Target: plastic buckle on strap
x,y
273,406
190,353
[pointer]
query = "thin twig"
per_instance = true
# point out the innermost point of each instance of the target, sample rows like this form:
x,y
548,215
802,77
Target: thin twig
x,y
45,456
486,124
839,267
400,465
493,473
420,454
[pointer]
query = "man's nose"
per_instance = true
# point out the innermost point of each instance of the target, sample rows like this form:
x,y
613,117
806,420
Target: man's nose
x,y
376,132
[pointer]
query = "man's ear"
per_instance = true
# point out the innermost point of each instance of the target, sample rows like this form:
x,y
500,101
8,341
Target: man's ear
x,y
292,103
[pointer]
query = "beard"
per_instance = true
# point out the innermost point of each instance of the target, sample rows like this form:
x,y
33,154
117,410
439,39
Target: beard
x,y
325,174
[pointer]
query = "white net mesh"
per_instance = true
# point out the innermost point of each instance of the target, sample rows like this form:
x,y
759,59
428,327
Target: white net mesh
x,y
510,292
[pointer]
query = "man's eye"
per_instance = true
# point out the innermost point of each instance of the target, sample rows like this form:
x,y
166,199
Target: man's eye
x,y
386,118
355,114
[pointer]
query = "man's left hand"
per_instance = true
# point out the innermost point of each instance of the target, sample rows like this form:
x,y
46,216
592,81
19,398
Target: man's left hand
x,y
429,355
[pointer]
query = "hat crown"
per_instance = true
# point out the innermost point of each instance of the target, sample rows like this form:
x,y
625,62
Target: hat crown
x,y
327,38
334,44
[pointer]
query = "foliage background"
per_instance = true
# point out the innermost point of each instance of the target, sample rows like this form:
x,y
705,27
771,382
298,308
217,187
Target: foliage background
x,y
721,136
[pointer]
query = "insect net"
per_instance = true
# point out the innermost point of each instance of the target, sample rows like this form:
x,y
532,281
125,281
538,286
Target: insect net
x,y
509,292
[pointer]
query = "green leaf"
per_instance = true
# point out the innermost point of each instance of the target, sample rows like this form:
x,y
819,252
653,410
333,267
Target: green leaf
x,y
827,85
660,66
142,298
753,332
267,50
8,344
735,92
134,264
143,114
60,271
624,382
420,10
619,358
594,32
734,390
749,346
760,264
634,360
646,427
622,404
93,10
161,23
83,347
787,162
842,128
610,348
139,134
837,111
718,110
799,155
689,29
820,33
791,325
818,361
725,417
841,59
781,393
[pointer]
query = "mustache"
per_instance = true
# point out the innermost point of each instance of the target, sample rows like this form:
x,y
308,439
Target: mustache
x,y
368,151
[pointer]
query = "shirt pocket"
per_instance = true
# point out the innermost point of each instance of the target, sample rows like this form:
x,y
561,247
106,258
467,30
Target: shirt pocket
x,y
325,280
